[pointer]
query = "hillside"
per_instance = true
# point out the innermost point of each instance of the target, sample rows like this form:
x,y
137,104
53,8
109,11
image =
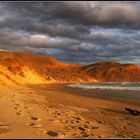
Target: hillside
x,y
22,68
25,68
113,72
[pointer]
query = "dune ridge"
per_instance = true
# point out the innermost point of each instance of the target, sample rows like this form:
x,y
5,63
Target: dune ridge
x,y
25,68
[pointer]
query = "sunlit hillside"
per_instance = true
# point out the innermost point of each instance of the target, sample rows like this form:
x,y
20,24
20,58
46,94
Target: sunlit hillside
x,y
25,68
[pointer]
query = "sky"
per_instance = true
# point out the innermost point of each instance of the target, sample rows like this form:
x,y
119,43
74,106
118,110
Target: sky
x,y
73,32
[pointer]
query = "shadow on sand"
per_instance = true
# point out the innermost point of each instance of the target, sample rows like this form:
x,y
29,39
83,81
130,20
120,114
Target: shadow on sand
x,y
121,112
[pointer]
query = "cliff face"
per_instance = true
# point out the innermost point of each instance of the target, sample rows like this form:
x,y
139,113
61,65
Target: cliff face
x,y
24,68
113,72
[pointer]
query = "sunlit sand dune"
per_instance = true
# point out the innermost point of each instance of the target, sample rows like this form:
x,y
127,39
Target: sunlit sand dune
x,y
24,68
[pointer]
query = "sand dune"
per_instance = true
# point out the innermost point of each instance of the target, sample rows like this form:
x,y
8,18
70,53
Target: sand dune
x,y
113,72
26,68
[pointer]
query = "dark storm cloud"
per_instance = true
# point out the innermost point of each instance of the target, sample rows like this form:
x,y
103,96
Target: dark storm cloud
x,y
78,32
36,41
7,39
32,26
88,13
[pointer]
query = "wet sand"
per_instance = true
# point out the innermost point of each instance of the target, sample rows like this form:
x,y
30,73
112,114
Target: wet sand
x,y
57,111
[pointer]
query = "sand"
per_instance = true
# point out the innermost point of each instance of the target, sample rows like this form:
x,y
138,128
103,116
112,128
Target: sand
x,y
56,111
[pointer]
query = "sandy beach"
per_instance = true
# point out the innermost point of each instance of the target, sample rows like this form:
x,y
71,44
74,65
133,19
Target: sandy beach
x,y
58,111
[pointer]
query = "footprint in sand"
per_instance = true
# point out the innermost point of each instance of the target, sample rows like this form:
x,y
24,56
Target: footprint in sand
x,y
36,126
52,133
25,107
39,127
15,108
17,113
120,136
31,124
16,104
13,100
34,118
4,128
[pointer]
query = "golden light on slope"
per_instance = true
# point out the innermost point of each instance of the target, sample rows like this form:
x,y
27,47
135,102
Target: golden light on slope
x,y
24,68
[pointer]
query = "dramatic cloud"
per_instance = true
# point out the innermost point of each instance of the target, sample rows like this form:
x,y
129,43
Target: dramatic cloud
x,y
106,14
77,32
